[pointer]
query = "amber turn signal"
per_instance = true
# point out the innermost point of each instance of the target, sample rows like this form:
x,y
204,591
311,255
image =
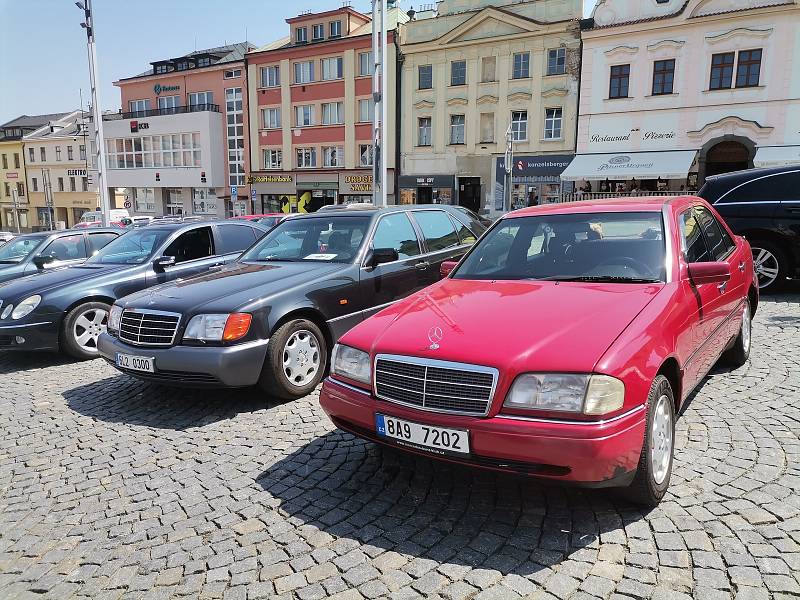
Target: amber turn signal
x,y
236,327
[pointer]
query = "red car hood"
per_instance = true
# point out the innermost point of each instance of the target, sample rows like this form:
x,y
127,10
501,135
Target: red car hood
x,y
512,325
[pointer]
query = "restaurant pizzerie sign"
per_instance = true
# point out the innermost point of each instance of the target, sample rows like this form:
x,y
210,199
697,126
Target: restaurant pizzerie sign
x,y
158,88
623,161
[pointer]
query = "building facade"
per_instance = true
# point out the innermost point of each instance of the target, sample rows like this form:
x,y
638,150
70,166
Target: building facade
x,y
311,123
473,71
13,173
675,90
179,145
60,181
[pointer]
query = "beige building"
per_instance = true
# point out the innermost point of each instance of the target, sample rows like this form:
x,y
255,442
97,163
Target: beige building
x,y
57,154
472,70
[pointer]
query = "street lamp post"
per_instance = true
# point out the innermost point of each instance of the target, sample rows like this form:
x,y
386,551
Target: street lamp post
x,y
509,165
97,116
380,87
16,206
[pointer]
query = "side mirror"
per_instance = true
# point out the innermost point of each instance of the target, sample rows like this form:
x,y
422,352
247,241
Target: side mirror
x,y
42,261
163,262
709,272
383,255
447,267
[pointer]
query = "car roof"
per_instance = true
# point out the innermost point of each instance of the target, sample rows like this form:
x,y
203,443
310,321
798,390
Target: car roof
x,y
717,186
371,209
604,205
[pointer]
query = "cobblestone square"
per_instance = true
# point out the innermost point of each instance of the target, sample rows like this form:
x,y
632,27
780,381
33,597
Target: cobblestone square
x,y
112,488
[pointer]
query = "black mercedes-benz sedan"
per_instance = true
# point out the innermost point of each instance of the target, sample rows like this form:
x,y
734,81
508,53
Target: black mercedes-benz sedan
x,y
34,252
271,317
67,309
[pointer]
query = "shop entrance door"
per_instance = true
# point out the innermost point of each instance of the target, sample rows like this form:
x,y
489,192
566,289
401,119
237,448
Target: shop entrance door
x,y
424,195
174,205
469,193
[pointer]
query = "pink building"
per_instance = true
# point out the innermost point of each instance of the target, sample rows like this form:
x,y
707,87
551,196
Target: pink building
x,y
179,144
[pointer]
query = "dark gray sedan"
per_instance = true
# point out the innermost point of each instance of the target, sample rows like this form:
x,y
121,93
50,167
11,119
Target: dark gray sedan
x,y
272,317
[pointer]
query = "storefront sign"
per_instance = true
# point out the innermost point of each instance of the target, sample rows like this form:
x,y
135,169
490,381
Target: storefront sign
x,y
283,178
76,172
355,183
11,175
158,88
413,181
533,177
139,125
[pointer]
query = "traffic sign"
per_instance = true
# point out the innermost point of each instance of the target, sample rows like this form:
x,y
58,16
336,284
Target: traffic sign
x,y
234,192
127,204
253,193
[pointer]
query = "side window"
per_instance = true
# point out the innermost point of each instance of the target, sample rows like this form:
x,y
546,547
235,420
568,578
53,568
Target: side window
x,y
99,240
235,238
778,187
68,247
192,245
718,242
692,239
465,236
395,231
437,228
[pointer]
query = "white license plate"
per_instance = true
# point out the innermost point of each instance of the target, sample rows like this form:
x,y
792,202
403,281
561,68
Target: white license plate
x,y
437,439
136,363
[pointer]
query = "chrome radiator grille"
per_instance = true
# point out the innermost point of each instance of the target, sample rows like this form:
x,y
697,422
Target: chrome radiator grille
x,y
148,327
434,385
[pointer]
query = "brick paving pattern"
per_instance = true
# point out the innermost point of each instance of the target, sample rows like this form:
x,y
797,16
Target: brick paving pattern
x,y
111,488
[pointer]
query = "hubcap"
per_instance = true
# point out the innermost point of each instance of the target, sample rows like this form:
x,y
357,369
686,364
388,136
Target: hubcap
x,y
661,440
88,327
747,325
766,266
301,358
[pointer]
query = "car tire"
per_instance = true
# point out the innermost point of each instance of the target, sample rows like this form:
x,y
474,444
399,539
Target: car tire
x,y
297,359
655,462
81,328
768,256
737,355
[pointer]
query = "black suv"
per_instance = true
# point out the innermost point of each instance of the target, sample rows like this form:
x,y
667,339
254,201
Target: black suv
x,y
764,206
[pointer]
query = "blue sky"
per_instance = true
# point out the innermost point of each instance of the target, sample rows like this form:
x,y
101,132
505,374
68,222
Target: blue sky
x,y
43,49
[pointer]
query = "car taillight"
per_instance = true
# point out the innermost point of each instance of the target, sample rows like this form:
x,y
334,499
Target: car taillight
x,y
236,327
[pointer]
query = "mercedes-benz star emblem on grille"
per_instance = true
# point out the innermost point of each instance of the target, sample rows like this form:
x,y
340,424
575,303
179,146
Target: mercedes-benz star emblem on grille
x,y
435,336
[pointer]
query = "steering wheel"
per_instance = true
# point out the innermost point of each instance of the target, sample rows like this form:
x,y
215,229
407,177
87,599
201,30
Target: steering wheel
x,y
631,263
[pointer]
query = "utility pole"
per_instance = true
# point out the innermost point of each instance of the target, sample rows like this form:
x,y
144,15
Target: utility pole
x,y
380,95
97,113
16,206
509,166
48,197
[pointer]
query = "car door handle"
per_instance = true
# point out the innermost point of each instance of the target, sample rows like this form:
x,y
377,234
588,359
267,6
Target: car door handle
x,y
741,266
422,265
722,286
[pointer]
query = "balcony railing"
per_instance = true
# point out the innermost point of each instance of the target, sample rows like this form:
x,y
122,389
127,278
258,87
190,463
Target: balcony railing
x,y
159,112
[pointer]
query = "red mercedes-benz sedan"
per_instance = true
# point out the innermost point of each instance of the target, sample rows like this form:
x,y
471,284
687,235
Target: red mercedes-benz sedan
x,y
563,345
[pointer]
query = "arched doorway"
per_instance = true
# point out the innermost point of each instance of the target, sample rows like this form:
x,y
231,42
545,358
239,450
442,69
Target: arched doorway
x,y
727,156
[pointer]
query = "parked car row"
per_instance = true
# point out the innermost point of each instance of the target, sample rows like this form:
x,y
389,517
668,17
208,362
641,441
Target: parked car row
x,y
562,342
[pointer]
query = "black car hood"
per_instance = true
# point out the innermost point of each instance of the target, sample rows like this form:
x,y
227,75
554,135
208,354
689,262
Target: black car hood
x,y
235,287
55,279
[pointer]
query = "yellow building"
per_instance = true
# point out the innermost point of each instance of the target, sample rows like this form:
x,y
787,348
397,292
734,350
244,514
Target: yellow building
x,y
57,154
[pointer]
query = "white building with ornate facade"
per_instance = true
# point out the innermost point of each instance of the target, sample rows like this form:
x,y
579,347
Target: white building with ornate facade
x,y
683,89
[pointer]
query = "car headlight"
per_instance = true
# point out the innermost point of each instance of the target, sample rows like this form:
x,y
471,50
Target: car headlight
x,y
114,318
566,392
218,327
6,311
351,363
25,307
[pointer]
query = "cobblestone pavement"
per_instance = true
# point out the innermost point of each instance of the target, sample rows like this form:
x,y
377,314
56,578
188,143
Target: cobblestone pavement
x,y
112,488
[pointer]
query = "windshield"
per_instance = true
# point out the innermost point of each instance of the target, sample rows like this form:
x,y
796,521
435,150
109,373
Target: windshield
x,y
18,248
624,247
133,248
324,238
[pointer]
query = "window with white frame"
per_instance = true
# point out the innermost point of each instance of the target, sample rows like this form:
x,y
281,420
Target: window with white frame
x,y
271,76
72,187
169,102
366,65
201,98
552,123
458,72
70,155
271,118
333,156
301,35
304,71
273,159
232,74
304,115
557,61
137,106
168,150
333,113
424,131
522,65
306,158
144,200
318,32
457,127
331,68
82,152
366,110
42,153
425,77
519,125
365,153
58,152
31,155
336,29
235,130
204,201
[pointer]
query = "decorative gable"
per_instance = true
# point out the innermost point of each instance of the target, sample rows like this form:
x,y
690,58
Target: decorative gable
x,y
488,29
712,7
489,23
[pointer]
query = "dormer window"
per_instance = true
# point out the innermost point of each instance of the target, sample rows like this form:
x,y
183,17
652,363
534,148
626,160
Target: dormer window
x,y
301,35
336,29
318,32
182,65
163,68
205,61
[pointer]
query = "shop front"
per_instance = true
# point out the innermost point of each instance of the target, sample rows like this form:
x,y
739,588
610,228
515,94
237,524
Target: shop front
x,y
534,180
356,186
427,189
315,190
273,193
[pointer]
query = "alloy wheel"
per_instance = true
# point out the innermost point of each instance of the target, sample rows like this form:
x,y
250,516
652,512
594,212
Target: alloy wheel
x,y
766,266
661,440
301,358
88,327
747,326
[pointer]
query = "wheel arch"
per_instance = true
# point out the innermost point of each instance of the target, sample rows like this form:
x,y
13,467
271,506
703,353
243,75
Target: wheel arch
x,y
313,315
770,236
106,299
672,371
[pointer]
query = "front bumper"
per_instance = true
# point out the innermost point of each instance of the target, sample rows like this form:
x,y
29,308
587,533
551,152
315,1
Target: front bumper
x,y
40,333
597,454
192,366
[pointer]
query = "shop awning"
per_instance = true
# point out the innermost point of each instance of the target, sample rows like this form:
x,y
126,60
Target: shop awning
x,y
672,164
777,156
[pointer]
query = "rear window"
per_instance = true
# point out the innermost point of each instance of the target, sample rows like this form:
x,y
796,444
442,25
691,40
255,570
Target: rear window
x,y
235,238
437,228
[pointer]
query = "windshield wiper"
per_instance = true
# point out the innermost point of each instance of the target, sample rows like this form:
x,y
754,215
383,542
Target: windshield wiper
x,y
599,279
272,259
